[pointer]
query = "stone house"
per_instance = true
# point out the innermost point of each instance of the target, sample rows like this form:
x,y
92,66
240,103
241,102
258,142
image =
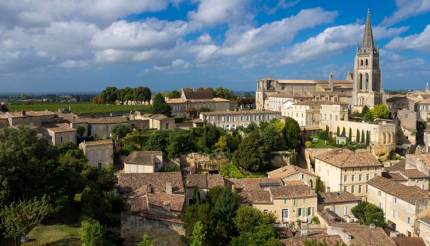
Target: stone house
x,y
196,99
152,200
30,118
288,202
99,153
61,134
399,203
356,234
230,120
347,170
291,172
423,231
340,202
100,127
143,162
407,175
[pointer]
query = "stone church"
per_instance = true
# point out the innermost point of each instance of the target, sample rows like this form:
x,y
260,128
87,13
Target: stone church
x,y
360,87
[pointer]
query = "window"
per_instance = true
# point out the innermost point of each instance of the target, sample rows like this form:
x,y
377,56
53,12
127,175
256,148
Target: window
x,y
409,220
359,177
394,213
352,189
352,178
302,176
345,178
294,202
345,211
359,189
367,176
344,188
395,200
379,193
299,212
285,213
309,211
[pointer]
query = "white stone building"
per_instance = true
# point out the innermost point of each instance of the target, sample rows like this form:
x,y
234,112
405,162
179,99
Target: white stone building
x,y
99,153
231,120
143,162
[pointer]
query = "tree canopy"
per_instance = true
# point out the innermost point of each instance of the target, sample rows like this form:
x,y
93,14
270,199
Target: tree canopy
x,y
113,94
368,213
159,105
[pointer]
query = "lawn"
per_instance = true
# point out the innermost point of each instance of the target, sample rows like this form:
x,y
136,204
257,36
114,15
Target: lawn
x,y
231,171
54,235
78,108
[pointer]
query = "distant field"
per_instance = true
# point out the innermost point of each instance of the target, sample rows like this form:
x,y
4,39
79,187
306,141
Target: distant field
x,y
78,108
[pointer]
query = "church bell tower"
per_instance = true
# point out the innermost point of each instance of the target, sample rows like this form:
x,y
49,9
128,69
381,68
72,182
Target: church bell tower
x,y
367,73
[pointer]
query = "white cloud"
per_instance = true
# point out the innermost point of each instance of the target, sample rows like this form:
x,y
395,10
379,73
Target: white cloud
x,y
334,39
214,12
420,42
42,13
407,8
148,34
241,42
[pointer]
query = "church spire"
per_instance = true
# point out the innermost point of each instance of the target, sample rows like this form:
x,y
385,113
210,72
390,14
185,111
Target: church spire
x,y
368,35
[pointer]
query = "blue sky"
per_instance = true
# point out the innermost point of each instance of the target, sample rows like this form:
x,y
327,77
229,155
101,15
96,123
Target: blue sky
x,y
86,45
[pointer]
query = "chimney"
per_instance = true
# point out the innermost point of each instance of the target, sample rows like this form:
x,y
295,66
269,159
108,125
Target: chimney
x,y
169,189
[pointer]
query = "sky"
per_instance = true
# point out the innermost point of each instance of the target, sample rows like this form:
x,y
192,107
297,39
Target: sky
x,y
86,45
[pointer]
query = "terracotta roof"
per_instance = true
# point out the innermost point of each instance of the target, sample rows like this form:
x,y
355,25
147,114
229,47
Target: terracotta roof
x,y
142,157
98,142
397,166
256,197
145,191
292,191
365,235
425,158
19,114
414,174
158,117
61,128
330,240
192,93
215,180
425,219
337,197
197,180
400,169
128,182
287,171
409,241
347,158
410,194
396,176
247,184
240,112
101,120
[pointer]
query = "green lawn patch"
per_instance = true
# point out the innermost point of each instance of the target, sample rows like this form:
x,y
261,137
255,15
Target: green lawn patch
x,y
55,235
78,108
231,171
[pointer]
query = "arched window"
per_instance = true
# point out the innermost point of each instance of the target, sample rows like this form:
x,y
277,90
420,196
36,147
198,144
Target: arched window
x,y
367,81
367,62
361,82
361,62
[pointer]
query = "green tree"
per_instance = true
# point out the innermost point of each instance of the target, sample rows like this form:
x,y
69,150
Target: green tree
x,y
196,196
262,235
109,95
19,218
272,138
318,185
198,237
146,241
180,142
247,218
80,131
142,94
173,94
368,213
380,111
350,134
367,138
343,134
159,105
157,140
357,136
292,133
92,233
3,107
337,131
362,137
120,131
224,93
253,154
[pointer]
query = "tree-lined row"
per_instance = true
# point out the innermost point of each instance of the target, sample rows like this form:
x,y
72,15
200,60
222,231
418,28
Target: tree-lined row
x,y
113,95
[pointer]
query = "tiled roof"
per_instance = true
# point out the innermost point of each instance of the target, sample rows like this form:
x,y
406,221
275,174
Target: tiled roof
x,y
101,120
365,235
410,194
396,176
414,174
347,158
61,128
256,197
400,169
397,166
292,191
247,184
205,181
332,240
158,117
425,219
142,157
425,158
98,142
240,112
150,190
215,180
337,197
192,93
287,171
409,241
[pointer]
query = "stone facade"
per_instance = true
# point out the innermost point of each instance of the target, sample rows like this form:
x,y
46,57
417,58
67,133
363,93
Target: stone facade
x,y
99,153
340,203
397,201
346,170
143,162
99,128
61,134
231,120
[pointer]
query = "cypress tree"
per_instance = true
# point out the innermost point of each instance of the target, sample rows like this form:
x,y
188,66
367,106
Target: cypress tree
x,y
350,134
343,132
357,136
337,131
367,138
362,137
